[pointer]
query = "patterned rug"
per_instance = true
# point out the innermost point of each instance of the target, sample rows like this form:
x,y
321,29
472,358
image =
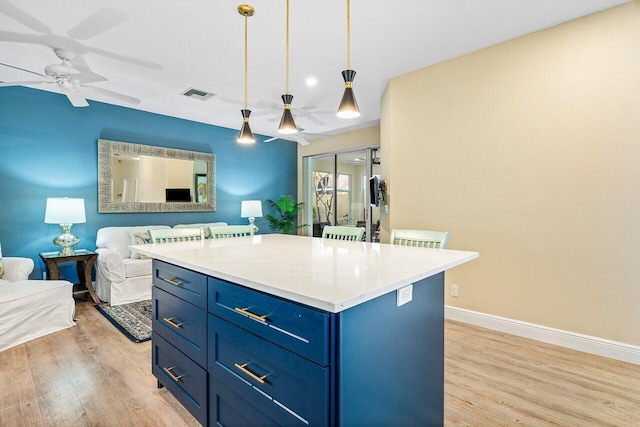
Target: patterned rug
x,y
133,320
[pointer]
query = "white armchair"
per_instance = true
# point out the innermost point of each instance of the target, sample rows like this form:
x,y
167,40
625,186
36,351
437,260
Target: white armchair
x,y
16,269
30,309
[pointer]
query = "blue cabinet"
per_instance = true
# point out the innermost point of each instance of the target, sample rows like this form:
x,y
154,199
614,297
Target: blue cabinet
x,y
267,361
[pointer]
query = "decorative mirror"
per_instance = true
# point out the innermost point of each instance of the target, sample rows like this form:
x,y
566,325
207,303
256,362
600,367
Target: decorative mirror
x,y
144,178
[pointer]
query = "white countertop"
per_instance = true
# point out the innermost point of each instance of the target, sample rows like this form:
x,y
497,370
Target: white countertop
x,y
331,275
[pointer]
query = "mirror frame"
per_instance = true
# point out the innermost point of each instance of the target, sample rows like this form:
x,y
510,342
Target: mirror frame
x,y
107,148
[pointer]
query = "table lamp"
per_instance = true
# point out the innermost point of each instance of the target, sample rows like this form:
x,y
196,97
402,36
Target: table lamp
x,y
251,209
66,212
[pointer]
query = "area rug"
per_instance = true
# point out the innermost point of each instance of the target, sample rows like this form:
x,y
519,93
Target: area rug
x,y
133,319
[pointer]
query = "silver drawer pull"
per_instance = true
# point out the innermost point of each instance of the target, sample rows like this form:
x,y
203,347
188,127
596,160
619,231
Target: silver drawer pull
x,y
246,312
173,376
170,321
174,282
244,369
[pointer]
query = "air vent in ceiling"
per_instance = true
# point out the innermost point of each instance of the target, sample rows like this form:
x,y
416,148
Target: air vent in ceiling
x,y
198,94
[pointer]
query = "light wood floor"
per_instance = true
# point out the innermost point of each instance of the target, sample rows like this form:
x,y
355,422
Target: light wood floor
x,y
91,375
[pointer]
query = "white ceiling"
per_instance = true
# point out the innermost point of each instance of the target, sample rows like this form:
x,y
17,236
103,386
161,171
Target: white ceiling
x,y
154,50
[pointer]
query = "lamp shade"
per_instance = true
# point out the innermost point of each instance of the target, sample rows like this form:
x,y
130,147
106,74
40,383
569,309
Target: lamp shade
x,y
64,210
251,208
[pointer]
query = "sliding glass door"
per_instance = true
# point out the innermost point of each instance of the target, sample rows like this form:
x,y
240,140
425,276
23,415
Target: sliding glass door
x,y
336,188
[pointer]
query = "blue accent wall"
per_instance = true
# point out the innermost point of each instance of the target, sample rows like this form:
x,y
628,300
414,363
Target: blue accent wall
x,y
50,149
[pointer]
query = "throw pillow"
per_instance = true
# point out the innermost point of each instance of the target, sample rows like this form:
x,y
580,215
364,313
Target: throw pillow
x,y
139,238
1,266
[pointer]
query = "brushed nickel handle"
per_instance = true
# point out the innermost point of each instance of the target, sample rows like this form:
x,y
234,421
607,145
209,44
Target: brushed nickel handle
x,y
174,282
173,376
246,312
243,368
170,321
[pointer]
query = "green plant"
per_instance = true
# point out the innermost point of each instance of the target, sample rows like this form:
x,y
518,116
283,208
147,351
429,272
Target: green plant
x,y
285,211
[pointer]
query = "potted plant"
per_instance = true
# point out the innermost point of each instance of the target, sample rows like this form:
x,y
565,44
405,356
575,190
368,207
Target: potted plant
x,y
285,211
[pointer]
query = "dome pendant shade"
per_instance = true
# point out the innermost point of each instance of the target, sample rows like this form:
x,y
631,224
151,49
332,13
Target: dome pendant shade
x,y
287,124
245,136
348,106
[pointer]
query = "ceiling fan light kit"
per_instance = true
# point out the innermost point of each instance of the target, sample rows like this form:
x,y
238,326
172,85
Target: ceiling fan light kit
x,y
245,136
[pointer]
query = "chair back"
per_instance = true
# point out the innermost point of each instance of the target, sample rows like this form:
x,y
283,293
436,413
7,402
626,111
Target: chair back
x,y
168,235
230,231
420,238
339,232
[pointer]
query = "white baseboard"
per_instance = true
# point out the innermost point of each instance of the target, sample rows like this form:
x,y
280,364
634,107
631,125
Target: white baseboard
x,y
585,343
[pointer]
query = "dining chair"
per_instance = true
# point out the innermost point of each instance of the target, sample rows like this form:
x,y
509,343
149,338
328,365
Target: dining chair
x,y
420,238
229,231
341,232
169,235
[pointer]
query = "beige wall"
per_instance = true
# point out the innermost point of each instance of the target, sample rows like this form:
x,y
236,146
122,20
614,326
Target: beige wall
x,y
529,152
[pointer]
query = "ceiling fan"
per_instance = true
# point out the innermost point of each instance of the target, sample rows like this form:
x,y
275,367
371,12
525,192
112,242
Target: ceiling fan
x,y
300,137
72,77
305,112
93,25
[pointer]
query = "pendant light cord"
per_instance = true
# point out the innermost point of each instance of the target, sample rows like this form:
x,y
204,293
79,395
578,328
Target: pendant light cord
x,y
246,65
287,54
348,34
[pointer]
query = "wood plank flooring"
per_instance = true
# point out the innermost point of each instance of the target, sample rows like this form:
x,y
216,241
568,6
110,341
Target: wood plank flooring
x,y
91,375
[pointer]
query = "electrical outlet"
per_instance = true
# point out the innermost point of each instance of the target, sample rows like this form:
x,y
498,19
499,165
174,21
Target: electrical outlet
x,y
404,295
454,290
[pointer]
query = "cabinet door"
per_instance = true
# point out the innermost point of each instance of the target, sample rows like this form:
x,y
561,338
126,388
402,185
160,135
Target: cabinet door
x,y
296,327
182,324
185,379
286,387
185,284
228,409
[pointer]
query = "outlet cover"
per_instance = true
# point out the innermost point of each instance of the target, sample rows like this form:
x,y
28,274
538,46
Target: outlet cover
x,y
404,295
454,290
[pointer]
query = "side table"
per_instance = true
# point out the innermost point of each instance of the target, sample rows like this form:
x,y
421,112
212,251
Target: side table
x,y
84,264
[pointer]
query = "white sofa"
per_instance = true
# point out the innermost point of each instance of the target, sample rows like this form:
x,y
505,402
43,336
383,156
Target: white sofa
x,y
123,277
30,309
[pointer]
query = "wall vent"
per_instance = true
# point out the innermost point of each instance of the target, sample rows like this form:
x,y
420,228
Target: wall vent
x,y
194,93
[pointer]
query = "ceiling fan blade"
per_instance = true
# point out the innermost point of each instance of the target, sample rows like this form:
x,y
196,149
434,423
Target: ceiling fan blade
x,y
111,94
23,17
269,105
118,57
8,36
271,139
315,120
89,77
301,140
8,84
22,69
76,98
101,21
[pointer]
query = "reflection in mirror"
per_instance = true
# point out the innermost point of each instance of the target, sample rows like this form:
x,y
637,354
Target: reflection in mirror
x,y
143,178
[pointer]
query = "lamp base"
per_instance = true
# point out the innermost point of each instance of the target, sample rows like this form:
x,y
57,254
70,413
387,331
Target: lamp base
x,y
254,229
66,240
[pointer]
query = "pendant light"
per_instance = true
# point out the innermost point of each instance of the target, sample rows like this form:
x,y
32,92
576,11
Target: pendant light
x,y
245,136
287,124
348,106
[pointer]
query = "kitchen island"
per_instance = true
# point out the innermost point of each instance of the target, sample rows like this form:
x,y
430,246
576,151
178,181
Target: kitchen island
x,y
290,330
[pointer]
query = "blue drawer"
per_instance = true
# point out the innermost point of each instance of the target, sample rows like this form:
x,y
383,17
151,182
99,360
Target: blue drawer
x,y
183,283
298,328
180,323
230,410
181,376
289,389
